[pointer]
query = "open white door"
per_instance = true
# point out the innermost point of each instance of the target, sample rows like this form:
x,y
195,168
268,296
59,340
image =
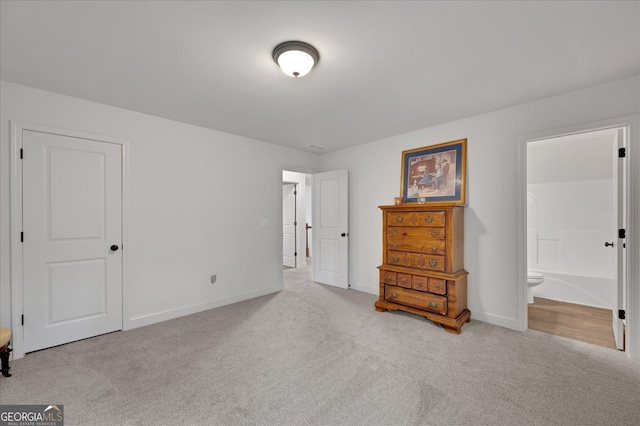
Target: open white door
x,y
289,225
331,224
72,221
619,192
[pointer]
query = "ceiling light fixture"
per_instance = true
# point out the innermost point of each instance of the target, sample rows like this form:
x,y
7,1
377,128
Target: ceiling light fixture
x,y
296,58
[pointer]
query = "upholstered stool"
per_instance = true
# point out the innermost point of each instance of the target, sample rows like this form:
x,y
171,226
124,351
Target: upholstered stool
x,y
5,339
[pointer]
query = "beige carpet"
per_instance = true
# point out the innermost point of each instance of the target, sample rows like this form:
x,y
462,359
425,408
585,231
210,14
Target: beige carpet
x,y
318,355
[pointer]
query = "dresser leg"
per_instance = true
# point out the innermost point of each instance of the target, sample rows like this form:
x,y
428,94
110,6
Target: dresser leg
x,y
452,330
378,307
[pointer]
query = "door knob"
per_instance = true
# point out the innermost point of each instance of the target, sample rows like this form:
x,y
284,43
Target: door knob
x,y
608,244
114,248
343,234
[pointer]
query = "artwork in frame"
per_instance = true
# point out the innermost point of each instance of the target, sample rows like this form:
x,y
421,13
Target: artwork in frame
x,y
435,174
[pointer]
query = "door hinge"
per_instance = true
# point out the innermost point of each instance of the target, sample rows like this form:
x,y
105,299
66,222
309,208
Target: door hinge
x,y
22,319
621,314
622,233
295,254
21,153
295,223
295,192
22,237
622,152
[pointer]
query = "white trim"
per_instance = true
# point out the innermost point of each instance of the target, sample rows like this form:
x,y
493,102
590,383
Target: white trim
x,y
15,247
365,289
633,221
301,210
505,322
125,240
148,319
15,188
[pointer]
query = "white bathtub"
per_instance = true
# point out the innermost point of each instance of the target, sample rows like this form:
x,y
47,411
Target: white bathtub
x,y
584,290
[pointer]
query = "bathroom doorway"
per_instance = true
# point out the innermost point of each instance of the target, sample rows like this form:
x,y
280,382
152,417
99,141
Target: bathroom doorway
x,y
576,196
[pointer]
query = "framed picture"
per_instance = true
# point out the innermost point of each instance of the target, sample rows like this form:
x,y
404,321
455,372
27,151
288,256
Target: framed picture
x,y
435,174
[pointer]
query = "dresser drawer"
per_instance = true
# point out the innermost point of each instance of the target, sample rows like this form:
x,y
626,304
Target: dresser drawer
x,y
399,232
416,260
404,280
437,285
418,282
416,299
388,277
396,258
429,218
400,219
416,239
433,263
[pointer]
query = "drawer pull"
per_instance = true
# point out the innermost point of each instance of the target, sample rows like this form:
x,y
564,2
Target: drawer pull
x,y
434,233
404,281
394,245
434,249
394,232
395,258
428,219
438,287
394,294
389,279
399,219
433,262
433,304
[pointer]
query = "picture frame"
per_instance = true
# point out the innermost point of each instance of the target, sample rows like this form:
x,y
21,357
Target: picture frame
x,y
435,173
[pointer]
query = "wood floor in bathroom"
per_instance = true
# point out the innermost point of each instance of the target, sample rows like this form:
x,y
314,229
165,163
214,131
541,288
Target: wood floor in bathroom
x,y
578,322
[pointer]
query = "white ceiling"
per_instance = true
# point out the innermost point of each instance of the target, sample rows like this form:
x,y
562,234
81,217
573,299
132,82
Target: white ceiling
x,y
386,68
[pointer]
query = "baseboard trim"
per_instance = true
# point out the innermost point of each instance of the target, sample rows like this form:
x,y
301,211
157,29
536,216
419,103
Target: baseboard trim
x,y
509,323
148,319
365,289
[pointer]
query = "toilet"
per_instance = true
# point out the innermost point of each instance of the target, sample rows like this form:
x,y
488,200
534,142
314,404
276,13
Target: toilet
x,y
533,279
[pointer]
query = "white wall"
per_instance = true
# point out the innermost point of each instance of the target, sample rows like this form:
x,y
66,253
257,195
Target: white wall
x,y
195,200
491,216
196,197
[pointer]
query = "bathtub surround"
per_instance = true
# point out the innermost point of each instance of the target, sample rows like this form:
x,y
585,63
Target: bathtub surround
x,y
581,289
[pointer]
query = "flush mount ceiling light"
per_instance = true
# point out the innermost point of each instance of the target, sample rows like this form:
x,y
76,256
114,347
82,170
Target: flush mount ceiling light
x,y
296,58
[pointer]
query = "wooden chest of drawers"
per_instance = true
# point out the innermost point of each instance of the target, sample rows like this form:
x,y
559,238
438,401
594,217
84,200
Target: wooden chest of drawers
x,y
423,263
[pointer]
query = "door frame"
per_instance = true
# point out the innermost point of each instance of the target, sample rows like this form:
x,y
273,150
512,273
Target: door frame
x,y
15,188
295,222
295,176
632,212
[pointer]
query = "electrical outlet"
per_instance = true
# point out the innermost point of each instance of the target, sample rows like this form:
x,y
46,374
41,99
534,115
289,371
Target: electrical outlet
x,y
213,279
